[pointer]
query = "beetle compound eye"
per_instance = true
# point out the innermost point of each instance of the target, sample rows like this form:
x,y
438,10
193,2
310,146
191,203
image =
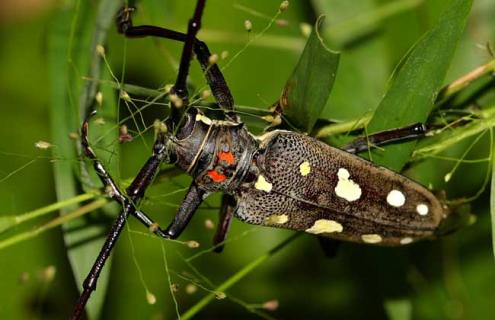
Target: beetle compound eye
x,y
186,129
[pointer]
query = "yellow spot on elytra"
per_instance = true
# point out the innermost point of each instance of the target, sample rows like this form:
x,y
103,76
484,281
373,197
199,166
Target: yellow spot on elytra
x,y
325,226
277,219
396,198
346,188
305,168
422,209
406,240
371,238
203,118
262,184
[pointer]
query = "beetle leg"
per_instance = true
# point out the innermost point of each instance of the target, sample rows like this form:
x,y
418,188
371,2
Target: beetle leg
x,y
329,246
188,207
214,76
414,131
224,221
138,186
136,191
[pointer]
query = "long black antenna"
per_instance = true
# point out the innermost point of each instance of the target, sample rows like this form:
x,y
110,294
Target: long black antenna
x,y
180,88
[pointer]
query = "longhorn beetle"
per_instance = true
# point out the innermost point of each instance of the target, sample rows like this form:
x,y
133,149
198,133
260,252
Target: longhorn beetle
x,y
281,179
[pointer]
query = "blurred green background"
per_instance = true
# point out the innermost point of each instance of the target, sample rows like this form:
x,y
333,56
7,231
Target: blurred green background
x,y
451,278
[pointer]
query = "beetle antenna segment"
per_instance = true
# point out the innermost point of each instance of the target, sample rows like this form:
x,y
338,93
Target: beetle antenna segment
x,y
214,76
413,131
180,88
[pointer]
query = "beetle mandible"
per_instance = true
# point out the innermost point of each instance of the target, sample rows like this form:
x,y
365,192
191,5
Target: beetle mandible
x,y
280,179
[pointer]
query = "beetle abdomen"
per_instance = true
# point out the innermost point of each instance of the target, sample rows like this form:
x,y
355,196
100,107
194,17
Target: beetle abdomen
x,y
307,185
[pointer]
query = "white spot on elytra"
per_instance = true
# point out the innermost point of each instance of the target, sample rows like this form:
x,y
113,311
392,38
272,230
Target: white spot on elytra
x,y
277,219
346,188
396,198
422,209
371,238
262,184
325,226
406,240
203,118
305,168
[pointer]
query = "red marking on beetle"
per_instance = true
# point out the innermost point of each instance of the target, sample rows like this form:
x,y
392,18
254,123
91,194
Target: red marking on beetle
x,y
227,157
216,176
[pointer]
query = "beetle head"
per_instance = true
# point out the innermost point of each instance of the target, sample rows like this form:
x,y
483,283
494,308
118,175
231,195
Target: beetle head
x,y
189,146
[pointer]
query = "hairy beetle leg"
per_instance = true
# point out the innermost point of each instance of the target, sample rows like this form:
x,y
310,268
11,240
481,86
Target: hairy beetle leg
x,y
414,131
138,185
136,190
224,221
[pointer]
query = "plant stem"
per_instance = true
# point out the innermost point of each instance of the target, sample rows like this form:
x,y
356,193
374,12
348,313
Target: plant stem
x,y
342,127
55,206
53,223
466,79
487,122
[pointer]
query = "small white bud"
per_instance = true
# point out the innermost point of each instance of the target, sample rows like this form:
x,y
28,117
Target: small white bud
x,y
150,297
284,5
125,96
192,244
100,50
191,288
99,98
305,29
213,59
43,145
248,25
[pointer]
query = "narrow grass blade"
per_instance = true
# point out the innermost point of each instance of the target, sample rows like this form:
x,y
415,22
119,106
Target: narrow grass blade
x,y
73,41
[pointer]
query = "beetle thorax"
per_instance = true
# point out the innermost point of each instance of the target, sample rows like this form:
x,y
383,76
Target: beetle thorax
x,y
217,154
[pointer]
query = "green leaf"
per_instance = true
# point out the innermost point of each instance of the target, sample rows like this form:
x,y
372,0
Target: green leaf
x,y
73,39
417,81
307,90
492,200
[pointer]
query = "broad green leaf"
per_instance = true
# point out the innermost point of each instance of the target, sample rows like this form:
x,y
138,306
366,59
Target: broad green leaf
x,y
412,92
73,40
307,90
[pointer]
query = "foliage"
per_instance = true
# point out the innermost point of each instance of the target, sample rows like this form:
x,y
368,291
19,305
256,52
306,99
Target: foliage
x,y
52,80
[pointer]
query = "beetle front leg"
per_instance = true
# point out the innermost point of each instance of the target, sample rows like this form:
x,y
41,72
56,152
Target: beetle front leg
x,y
224,221
188,207
414,131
